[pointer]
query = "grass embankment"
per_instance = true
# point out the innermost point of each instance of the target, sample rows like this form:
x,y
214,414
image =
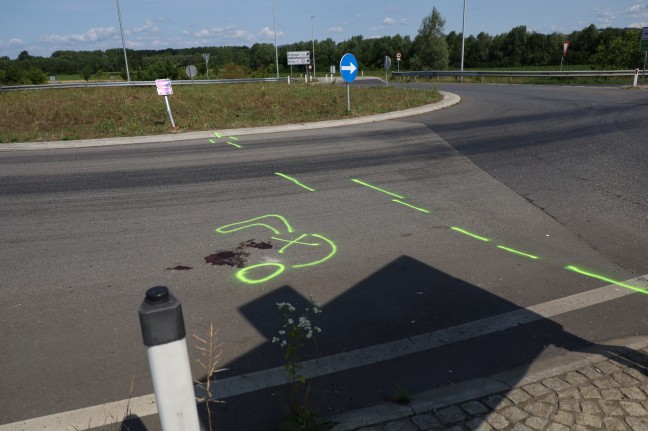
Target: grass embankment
x,y
84,113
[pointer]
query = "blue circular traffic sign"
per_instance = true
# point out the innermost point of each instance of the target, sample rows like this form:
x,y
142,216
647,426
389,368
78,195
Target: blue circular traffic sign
x,y
349,67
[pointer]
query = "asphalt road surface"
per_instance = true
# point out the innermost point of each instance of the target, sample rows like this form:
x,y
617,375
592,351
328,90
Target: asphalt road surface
x,y
385,224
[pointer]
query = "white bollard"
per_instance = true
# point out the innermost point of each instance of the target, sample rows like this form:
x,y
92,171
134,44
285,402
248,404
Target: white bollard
x,y
164,334
636,78
288,79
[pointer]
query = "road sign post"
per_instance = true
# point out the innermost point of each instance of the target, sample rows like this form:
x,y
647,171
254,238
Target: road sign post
x,y
206,57
562,60
644,47
349,71
398,59
164,89
388,64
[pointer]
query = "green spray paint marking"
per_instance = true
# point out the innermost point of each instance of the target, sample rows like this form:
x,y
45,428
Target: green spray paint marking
x,y
294,181
518,252
236,145
330,255
296,242
234,227
218,135
423,210
606,279
291,243
362,183
212,141
233,137
242,274
470,234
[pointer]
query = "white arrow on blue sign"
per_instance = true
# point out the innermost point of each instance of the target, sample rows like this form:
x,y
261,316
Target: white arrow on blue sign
x,y
349,67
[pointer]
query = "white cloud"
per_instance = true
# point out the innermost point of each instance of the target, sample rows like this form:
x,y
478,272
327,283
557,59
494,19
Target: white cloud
x,y
148,27
16,42
268,33
605,17
335,29
389,21
404,21
95,34
393,10
211,32
637,10
641,24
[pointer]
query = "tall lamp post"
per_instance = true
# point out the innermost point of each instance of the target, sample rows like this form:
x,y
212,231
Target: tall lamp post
x,y
121,28
463,39
313,41
274,20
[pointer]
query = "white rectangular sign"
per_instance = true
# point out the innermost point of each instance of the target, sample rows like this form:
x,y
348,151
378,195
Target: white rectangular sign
x,y
298,58
298,54
298,61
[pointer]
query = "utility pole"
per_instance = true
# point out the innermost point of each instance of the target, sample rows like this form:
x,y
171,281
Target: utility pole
x,y
313,41
274,20
463,39
121,28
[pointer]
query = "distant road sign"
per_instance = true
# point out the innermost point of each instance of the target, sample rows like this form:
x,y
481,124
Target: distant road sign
x,y
298,58
644,39
388,63
163,87
348,67
398,56
191,71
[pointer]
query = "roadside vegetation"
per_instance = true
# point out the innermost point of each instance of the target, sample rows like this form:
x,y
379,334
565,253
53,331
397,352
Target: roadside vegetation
x,y
430,49
83,113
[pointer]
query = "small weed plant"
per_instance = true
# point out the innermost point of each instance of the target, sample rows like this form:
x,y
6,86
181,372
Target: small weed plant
x,y
298,329
209,349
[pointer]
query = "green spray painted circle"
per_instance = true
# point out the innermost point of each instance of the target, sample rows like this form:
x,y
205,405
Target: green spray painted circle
x,y
242,274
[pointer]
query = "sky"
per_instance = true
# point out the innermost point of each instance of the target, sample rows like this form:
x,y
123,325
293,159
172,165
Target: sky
x,y
44,26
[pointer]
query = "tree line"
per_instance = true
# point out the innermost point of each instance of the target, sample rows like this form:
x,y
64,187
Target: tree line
x,y
431,49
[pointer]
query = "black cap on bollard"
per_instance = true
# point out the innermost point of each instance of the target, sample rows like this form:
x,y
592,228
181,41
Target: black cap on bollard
x,y
161,317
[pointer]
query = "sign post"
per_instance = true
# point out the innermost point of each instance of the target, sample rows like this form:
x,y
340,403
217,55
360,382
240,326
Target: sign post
x,y
164,89
398,59
206,57
644,47
191,72
562,60
349,71
388,64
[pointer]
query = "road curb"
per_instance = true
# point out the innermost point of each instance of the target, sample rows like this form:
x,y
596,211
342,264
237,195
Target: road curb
x,y
439,398
449,99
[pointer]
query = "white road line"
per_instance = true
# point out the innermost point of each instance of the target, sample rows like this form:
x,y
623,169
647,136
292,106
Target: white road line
x,y
110,413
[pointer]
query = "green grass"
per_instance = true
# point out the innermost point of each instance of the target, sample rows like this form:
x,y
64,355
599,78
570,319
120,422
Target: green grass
x,y
66,114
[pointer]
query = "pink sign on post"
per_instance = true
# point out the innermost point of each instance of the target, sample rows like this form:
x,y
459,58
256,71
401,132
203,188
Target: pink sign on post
x,y
163,87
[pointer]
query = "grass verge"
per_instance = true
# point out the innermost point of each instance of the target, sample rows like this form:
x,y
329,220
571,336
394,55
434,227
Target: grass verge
x,y
85,113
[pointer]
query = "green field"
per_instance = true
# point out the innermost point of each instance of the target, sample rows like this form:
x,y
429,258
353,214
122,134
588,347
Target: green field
x,y
83,113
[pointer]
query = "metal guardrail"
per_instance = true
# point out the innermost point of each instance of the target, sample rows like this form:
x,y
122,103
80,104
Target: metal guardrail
x,y
515,74
137,83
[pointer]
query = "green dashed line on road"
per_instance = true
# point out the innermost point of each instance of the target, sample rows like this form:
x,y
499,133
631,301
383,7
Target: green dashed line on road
x,y
362,183
423,210
581,271
289,178
470,234
518,252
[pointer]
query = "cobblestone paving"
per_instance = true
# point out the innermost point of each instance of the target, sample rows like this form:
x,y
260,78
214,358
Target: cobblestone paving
x,y
609,395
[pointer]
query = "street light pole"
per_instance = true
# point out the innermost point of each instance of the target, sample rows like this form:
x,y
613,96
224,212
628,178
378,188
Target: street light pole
x,y
313,41
121,28
463,39
274,20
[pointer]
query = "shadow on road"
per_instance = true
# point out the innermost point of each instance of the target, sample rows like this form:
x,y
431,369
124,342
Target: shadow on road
x,y
403,300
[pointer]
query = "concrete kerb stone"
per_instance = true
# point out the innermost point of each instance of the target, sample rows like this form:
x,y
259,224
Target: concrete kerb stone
x,y
449,99
482,387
